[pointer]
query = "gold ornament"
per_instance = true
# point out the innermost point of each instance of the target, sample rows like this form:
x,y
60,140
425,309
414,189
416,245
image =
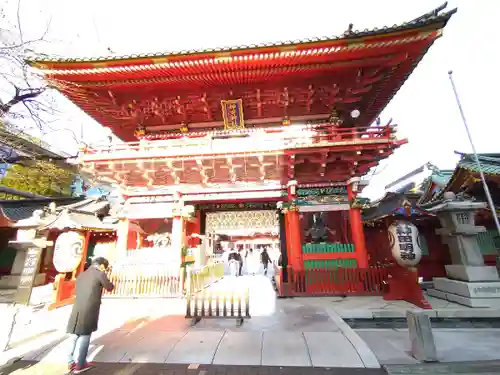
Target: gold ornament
x,y
184,128
140,131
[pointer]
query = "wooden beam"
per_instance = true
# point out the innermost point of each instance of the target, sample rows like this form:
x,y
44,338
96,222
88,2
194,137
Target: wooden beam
x,y
173,172
259,103
203,171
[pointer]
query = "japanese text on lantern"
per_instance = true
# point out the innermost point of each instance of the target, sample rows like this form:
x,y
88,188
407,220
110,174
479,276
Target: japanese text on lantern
x,y
232,112
404,234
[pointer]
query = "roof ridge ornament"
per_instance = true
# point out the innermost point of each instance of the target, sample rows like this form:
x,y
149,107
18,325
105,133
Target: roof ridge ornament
x,y
349,30
433,13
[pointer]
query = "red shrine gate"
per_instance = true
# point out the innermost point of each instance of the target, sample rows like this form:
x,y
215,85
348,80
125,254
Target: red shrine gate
x,y
250,125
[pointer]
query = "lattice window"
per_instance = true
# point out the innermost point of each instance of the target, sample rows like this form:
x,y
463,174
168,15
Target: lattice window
x,y
233,220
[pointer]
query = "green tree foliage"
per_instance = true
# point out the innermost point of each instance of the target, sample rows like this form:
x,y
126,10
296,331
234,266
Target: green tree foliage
x,y
40,177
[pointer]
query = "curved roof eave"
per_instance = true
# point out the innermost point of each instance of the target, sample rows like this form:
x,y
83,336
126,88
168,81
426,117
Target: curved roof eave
x,y
435,17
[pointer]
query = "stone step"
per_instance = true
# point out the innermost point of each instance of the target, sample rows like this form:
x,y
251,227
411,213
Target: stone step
x,y
493,303
486,289
462,368
9,281
7,295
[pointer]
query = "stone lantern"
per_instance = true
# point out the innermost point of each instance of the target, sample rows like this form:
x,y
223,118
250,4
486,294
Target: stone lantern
x,y
470,282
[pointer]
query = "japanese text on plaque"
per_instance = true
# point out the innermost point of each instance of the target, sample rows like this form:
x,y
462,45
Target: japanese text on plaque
x,y
232,112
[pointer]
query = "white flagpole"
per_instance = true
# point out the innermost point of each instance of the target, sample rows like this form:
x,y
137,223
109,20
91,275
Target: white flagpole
x,y
481,174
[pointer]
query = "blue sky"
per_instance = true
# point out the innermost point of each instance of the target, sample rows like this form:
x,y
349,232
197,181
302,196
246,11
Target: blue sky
x,y
424,108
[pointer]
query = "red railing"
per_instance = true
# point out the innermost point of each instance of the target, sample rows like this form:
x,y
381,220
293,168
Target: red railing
x,y
254,140
334,281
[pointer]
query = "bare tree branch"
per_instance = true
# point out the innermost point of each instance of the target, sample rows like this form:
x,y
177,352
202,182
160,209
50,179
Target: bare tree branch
x,y
20,97
18,16
27,106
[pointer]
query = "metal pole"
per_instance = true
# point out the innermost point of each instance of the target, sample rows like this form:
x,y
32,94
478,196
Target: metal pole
x,y
481,174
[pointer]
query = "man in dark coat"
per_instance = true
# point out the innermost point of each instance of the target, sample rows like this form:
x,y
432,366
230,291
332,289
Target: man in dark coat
x,y
85,314
265,259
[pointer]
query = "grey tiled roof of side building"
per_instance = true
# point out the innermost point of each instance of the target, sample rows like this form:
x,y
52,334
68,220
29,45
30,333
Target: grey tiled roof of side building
x,y
16,210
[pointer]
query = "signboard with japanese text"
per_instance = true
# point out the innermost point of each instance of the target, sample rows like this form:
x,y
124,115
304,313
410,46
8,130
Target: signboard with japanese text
x,y
28,275
232,112
404,242
323,191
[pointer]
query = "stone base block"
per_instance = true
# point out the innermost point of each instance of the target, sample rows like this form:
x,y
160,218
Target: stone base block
x,y
423,347
12,281
9,281
472,273
472,290
481,294
466,301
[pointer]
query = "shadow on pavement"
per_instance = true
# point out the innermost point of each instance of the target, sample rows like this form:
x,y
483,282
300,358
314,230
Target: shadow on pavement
x,y
16,367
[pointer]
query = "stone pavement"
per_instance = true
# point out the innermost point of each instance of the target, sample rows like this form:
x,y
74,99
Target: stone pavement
x,y
301,332
281,332
392,346
369,307
34,368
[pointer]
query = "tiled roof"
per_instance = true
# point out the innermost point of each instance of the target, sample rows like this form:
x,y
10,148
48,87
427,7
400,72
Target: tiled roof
x,y
92,206
490,163
75,220
431,18
390,204
16,210
12,137
435,183
442,177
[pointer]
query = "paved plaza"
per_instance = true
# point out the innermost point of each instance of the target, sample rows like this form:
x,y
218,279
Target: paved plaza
x,y
280,333
301,333
368,307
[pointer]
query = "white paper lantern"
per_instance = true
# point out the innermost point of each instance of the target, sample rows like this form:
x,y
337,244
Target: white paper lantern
x,y
405,244
68,251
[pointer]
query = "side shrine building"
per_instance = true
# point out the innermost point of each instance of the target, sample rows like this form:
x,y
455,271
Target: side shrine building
x,y
257,145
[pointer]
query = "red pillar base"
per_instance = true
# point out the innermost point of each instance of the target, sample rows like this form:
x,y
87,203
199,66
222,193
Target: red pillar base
x,y
64,293
403,285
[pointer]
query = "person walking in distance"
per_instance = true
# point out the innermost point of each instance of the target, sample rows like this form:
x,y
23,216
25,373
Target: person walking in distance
x,y
85,314
265,259
240,271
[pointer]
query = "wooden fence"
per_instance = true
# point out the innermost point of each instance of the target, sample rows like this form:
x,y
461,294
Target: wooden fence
x,y
332,281
199,279
218,305
145,283
155,280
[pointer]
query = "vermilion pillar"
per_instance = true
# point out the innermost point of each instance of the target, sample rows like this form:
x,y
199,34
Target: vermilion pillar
x,y
81,268
178,226
292,219
178,235
288,239
357,232
194,227
295,246
122,233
